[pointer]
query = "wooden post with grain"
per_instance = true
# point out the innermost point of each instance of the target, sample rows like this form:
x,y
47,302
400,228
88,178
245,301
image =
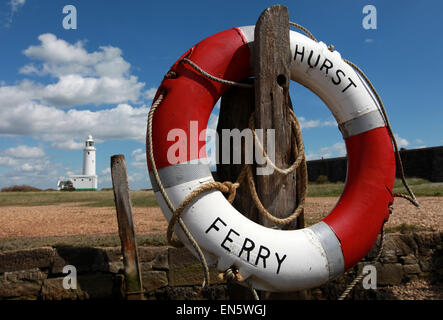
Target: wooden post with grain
x,y
272,61
270,100
133,280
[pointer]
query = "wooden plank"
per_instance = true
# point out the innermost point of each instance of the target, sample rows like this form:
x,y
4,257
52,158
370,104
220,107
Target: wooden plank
x,y
126,232
239,102
236,106
272,60
271,64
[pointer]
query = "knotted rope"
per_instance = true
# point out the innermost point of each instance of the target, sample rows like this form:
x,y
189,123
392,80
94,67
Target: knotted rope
x,y
361,276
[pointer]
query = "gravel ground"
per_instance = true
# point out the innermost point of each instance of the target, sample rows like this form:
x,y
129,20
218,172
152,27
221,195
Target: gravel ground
x,y
70,219
418,290
429,215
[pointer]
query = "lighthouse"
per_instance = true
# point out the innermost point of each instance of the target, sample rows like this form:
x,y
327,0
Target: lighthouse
x,y
88,179
89,157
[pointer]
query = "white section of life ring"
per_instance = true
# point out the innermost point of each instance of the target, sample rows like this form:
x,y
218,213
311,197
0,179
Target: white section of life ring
x,y
332,80
271,260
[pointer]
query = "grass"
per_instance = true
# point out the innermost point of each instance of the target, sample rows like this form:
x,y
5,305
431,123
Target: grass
x,y
104,198
406,228
145,198
111,240
328,189
421,188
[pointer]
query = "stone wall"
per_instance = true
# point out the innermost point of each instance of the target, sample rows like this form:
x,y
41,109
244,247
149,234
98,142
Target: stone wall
x,y
426,163
170,273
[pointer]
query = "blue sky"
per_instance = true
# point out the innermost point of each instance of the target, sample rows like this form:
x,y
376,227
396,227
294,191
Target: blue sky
x,y
57,86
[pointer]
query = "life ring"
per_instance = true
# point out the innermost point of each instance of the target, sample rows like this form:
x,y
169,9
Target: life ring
x,y
269,259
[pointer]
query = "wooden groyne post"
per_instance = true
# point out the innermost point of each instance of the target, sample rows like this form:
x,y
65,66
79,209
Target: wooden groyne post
x,y
270,101
133,280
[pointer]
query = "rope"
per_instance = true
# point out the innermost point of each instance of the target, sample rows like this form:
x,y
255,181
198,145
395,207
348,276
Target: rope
x,y
411,196
361,276
231,274
216,79
300,159
310,35
165,195
227,186
298,147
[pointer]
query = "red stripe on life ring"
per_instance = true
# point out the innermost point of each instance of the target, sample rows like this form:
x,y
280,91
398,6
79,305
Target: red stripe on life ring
x,y
191,96
363,206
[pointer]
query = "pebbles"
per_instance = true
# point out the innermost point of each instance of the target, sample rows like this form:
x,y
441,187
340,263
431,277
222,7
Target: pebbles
x,y
428,216
66,220
71,219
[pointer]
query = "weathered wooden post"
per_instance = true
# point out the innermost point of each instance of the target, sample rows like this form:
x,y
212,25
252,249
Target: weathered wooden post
x,y
126,232
238,101
272,61
270,100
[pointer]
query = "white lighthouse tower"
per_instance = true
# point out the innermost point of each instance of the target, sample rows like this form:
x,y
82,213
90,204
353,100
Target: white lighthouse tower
x,y
89,157
88,180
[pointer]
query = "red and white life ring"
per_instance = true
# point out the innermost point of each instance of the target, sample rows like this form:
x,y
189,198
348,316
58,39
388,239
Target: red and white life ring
x,y
276,260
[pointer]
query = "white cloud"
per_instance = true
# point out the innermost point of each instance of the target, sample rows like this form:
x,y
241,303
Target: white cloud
x,y
23,158
105,178
336,150
37,172
31,108
24,152
60,58
14,5
8,161
139,157
150,93
69,144
99,77
368,40
59,126
306,124
74,90
401,142
27,165
17,4
136,152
